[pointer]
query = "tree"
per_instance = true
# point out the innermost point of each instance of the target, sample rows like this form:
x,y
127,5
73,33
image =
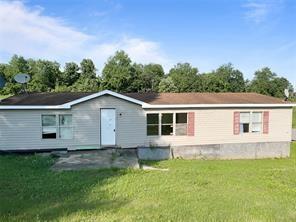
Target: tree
x,y
87,81
86,85
147,77
183,76
16,65
122,75
278,87
71,73
266,82
261,82
167,85
2,78
119,73
205,83
88,69
46,76
152,75
225,79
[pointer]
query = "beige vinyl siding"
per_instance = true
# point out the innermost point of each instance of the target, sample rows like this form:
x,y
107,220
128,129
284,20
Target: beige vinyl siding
x,y
215,126
21,129
130,119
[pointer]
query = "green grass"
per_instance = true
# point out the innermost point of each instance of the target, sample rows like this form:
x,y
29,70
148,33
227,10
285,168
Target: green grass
x,y
197,190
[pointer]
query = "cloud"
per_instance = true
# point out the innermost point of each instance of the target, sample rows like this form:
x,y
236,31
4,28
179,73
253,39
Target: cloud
x,y
26,31
257,11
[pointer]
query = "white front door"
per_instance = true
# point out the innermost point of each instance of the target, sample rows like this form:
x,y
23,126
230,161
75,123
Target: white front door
x,y
108,127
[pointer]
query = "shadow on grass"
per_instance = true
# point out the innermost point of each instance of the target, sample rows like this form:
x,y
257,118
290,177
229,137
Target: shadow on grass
x,y
31,191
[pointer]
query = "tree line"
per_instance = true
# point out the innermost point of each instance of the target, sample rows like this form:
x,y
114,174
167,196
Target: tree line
x,y
121,74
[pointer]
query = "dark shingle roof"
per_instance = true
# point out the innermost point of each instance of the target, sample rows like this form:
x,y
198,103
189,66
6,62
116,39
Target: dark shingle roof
x,y
51,99
204,98
40,99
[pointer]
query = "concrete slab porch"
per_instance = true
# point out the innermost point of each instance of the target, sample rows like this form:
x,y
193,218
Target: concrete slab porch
x,y
97,159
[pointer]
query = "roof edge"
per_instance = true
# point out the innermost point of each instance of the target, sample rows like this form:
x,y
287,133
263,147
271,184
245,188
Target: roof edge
x,y
148,106
143,104
77,101
219,105
102,93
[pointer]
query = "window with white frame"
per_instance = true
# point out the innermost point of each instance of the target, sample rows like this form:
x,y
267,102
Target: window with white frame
x,y
250,122
256,122
245,122
65,126
167,124
181,124
49,127
152,124
53,125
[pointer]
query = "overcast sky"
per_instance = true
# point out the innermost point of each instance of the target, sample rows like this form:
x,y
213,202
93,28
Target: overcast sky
x,y
250,34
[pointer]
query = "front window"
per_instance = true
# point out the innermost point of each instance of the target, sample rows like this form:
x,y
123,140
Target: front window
x,y
167,124
256,122
49,127
244,122
65,127
250,122
57,126
153,124
181,124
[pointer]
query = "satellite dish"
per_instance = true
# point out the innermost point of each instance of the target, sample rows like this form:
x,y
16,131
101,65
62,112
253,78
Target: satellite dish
x,y
22,78
2,81
286,93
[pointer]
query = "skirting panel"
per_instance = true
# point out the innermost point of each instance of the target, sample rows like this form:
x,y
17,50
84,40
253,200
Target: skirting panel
x,y
234,151
218,151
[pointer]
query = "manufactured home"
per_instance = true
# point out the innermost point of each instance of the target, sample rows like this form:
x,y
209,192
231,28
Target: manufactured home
x,y
194,125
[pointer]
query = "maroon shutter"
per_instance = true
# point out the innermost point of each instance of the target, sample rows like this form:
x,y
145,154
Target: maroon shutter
x,y
265,122
236,120
190,125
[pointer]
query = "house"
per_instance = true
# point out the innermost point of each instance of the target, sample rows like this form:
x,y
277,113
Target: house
x,y
192,125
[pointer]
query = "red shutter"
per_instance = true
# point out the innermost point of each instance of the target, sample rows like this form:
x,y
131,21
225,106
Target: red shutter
x,y
190,125
265,122
236,120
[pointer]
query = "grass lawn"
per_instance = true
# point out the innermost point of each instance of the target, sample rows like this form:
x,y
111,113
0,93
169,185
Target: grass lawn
x,y
198,190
